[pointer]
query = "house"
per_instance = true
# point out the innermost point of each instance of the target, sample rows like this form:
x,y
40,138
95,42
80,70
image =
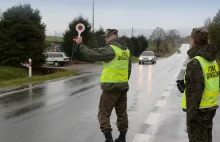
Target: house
x,y
54,44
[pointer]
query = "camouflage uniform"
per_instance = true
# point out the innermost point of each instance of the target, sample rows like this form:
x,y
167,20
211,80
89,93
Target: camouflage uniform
x,y
114,95
199,121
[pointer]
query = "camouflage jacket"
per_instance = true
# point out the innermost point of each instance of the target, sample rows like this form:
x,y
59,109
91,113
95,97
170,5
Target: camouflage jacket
x,y
195,80
107,54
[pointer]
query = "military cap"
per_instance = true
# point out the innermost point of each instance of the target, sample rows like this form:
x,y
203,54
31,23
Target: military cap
x,y
110,32
200,33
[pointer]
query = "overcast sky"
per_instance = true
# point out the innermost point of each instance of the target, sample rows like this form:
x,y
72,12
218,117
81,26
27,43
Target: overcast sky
x,y
123,14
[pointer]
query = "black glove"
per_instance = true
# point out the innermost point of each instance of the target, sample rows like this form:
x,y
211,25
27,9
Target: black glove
x,y
181,85
76,47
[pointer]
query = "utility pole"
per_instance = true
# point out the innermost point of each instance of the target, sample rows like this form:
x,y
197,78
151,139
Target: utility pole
x,y
56,35
55,40
93,13
0,14
132,32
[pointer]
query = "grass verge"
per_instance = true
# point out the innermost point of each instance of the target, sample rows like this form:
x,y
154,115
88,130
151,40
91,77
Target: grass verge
x,y
36,79
7,73
167,46
135,59
172,51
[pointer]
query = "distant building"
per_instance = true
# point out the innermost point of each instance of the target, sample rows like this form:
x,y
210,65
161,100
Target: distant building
x,y
54,44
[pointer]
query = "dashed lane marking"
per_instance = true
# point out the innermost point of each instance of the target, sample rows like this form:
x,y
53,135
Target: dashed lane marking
x,y
141,138
169,88
161,103
152,118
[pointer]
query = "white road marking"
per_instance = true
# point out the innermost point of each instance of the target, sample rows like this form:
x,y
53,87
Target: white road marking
x,y
161,103
44,84
176,75
172,83
169,87
178,71
152,118
166,94
141,138
13,92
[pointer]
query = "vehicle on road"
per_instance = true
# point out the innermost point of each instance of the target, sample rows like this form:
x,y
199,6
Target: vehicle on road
x,y
56,58
146,57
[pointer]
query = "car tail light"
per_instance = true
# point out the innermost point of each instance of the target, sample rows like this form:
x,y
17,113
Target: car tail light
x,y
66,58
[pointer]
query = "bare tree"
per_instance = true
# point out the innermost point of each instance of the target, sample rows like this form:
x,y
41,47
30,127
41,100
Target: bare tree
x,y
173,35
158,36
207,22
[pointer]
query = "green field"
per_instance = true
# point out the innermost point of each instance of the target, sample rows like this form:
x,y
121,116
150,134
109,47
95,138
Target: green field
x,y
53,38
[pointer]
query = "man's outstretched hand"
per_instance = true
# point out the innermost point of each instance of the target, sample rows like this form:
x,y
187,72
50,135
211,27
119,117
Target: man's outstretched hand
x,y
77,40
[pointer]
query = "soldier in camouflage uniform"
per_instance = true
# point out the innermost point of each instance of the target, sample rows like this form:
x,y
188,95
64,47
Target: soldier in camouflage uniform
x,y
199,120
114,94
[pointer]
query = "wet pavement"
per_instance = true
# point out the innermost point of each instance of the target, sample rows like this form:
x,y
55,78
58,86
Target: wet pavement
x,y
67,110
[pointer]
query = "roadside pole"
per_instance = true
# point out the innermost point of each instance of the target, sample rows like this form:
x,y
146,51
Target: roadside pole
x,y
30,67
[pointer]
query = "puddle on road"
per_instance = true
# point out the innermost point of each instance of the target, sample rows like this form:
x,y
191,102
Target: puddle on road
x,y
24,110
22,97
84,89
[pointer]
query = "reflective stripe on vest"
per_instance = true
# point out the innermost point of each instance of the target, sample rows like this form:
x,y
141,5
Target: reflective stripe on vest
x,y
116,71
211,80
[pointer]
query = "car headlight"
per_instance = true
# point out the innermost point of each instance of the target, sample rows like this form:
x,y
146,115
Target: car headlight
x,y
140,58
150,58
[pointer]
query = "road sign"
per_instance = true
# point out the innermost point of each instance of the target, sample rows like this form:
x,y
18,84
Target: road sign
x,y
25,65
80,28
29,66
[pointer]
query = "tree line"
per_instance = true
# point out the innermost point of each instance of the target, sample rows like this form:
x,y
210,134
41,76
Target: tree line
x,y
213,26
22,36
136,45
95,40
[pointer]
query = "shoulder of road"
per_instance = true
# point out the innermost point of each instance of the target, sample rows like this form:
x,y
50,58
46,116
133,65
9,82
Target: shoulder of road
x,y
59,73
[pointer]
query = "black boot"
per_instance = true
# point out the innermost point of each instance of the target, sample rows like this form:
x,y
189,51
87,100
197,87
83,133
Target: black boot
x,y
108,137
122,137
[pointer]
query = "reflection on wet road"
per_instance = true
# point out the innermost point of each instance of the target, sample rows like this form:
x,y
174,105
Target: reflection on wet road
x,y
149,81
24,102
67,110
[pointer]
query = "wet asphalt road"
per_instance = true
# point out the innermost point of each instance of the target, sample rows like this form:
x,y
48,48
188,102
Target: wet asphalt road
x,y
66,111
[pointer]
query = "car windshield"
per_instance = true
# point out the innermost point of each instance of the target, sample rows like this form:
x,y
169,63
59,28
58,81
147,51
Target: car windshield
x,y
147,54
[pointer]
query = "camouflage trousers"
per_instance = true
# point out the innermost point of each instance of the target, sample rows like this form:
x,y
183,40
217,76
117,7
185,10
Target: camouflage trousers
x,y
200,129
108,101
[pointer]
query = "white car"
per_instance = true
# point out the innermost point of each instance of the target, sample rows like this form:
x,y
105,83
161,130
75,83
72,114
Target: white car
x,y
179,51
147,56
56,58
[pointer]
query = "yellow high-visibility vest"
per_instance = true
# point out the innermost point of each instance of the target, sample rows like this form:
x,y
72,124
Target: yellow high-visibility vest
x,y
116,71
211,79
